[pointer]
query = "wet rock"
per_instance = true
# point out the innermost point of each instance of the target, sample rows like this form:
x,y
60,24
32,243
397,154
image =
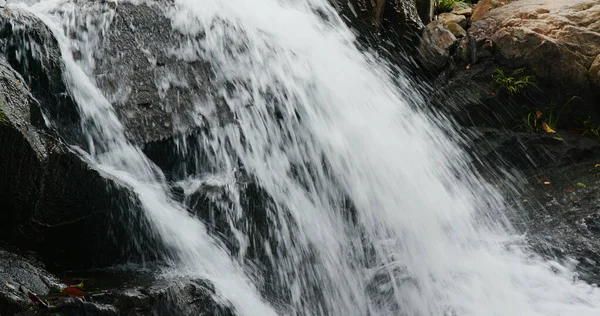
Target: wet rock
x,y
51,200
436,45
456,29
595,71
107,292
562,216
399,20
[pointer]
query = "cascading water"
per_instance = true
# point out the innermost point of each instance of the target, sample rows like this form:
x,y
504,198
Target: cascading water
x,y
371,208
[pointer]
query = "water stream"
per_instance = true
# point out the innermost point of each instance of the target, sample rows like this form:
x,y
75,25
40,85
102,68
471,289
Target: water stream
x,y
371,208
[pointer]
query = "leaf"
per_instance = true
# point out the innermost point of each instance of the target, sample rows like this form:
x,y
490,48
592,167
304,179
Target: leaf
x,y
547,128
36,300
468,66
597,165
79,286
570,190
547,182
581,184
72,291
558,138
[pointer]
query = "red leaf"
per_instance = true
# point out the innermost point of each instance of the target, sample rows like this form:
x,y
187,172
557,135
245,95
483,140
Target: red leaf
x,y
72,291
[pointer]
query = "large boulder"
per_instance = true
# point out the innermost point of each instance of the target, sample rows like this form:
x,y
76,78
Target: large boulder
x,y
557,40
392,19
51,200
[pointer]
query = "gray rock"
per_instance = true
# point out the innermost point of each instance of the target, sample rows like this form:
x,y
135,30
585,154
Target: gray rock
x,y
436,44
453,18
462,8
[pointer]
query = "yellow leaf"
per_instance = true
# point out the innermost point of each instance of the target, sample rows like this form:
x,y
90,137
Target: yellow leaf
x,y
597,165
546,182
547,128
581,184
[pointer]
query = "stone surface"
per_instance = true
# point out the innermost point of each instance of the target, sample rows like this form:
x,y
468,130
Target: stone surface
x,y
453,18
484,6
557,41
107,292
462,8
51,200
456,29
595,71
392,19
436,44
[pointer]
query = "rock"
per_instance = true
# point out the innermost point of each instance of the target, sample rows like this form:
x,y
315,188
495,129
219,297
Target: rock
x,y
453,18
595,71
426,10
436,44
461,8
19,276
392,19
115,292
557,41
484,6
456,29
52,201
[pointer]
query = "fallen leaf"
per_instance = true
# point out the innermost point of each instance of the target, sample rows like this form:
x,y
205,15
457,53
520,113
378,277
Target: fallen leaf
x,y
570,190
547,128
468,66
72,291
36,300
547,182
597,165
79,286
492,93
558,138
581,184
538,114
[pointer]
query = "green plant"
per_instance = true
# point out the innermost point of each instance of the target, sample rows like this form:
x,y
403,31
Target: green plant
x,y
589,129
511,83
442,6
555,113
529,123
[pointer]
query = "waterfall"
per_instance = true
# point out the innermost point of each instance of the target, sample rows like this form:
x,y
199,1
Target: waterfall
x,y
369,204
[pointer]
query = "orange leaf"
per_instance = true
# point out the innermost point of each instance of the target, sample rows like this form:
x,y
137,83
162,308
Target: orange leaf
x,y
72,291
468,66
547,128
570,190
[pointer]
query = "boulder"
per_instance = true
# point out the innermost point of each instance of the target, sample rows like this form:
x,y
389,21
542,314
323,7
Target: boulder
x,y
556,40
461,8
595,71
436,45
392,19
51,200
484,6
453,18
107,292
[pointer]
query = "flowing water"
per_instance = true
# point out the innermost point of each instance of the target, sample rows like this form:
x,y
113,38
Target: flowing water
x,y
369,205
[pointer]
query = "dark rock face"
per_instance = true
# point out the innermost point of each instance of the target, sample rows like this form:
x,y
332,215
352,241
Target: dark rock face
x,y
52,201
393,19
130,293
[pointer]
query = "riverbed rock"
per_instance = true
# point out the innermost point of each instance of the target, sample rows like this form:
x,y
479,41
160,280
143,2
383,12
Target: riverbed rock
x,y
52,200
461,8
557,40
392,19
484,6
453,18
436,45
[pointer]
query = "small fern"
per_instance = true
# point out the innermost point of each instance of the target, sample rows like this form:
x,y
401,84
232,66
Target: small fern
x,y
444,5
511,83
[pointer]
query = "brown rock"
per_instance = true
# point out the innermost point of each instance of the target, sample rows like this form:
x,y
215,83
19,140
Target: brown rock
x,y
454,18
435,45
484,6
456,29
462,8
556,40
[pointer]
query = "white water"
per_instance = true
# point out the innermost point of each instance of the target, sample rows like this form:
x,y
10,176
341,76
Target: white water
x,y
348,133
